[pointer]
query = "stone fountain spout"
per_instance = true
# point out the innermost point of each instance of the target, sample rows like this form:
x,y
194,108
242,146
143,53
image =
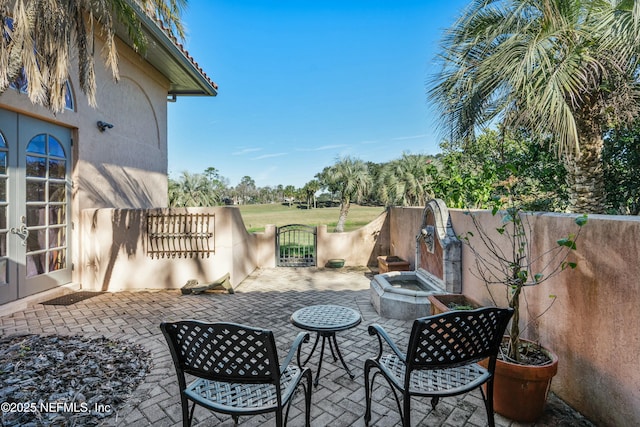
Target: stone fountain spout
x,y
438,249
404,294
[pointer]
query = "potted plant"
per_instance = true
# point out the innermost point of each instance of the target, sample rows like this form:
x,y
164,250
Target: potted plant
x,y
504,256
441,303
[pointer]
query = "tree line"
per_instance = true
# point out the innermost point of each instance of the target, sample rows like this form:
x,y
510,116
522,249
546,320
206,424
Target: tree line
x,y
464,175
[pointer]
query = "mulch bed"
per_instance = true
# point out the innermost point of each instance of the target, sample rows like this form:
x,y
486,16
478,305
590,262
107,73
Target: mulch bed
x,y
67,380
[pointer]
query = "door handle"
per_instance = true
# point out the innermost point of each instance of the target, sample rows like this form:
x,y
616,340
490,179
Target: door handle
x,y
22,231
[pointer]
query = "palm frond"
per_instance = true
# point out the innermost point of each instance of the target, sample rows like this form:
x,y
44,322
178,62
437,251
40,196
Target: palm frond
x,y
41,36
538,64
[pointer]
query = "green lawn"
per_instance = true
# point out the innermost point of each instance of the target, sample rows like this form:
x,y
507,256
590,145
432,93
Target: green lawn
x,y
256,216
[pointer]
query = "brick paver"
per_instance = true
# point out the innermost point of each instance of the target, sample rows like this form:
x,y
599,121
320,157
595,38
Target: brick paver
x,y
265,299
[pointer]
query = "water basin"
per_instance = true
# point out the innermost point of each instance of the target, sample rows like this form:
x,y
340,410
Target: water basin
x,y
403,295
410,284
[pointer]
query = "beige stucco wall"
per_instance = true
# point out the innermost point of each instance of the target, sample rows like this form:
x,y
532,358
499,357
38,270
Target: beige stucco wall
x,y
358,247
115,255
593,324
404,224
125,166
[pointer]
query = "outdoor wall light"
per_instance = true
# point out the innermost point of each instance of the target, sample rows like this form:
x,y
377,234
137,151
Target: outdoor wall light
x,y
104,125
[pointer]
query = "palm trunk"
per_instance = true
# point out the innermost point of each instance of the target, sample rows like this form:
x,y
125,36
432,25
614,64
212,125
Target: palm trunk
x,y
344,211
585,177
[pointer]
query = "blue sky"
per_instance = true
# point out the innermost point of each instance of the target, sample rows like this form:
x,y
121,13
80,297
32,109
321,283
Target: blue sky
x,y
302,83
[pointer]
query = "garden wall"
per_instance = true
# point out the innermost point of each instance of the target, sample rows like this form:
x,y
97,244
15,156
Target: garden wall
x,y
116,254
592,326
359,247
594,321
116,251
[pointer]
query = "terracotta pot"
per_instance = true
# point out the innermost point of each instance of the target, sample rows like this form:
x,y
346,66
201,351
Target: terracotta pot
x,y
440,302
520,391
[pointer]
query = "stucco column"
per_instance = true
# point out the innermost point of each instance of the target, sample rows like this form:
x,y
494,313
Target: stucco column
x,y
323,253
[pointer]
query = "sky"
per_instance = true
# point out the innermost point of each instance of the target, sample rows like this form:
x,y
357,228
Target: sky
x,y
303,83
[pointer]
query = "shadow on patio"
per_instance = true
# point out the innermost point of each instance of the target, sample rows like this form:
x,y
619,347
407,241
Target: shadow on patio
x,y
265,299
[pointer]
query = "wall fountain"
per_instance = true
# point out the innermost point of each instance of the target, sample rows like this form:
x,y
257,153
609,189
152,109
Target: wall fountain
x,y
405,294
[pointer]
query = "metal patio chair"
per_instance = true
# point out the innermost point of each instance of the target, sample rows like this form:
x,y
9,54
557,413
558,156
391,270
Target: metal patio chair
x,y
441,359
236,370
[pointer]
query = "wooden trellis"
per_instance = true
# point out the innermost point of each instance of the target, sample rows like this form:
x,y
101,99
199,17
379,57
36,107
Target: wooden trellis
x,y
181,235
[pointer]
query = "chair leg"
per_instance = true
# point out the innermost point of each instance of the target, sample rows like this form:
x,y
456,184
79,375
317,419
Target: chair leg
x,y
367,393
307,399
406,403
488,403
187,415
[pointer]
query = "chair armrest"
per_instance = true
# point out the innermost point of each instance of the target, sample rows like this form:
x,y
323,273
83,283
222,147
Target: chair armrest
x,y
379,331
295,347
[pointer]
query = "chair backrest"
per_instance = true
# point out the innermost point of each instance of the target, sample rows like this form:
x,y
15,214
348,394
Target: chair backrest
x,y
456,337
223,351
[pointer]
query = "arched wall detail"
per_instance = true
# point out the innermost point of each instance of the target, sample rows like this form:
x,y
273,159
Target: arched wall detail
x,y
131,109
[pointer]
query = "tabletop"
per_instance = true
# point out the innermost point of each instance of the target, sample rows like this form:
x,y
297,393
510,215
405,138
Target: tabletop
x,y
326,318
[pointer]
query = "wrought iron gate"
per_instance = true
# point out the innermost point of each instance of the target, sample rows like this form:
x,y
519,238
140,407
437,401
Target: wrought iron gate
x,y
296,246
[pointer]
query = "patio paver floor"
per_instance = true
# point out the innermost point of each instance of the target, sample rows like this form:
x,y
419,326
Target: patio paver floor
x,y
265,299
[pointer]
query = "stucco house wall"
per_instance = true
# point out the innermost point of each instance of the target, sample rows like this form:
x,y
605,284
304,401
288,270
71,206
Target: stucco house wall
x,y
125,166
122,167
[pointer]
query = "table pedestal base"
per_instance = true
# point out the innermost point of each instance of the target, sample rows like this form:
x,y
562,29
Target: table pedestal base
x,y
332,344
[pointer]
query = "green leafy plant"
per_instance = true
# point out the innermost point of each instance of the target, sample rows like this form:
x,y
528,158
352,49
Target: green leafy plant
x,y
454,306
504,255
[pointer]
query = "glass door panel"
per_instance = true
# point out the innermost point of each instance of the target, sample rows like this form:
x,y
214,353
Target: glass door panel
x,y
34,206
4,207
8,260
46,209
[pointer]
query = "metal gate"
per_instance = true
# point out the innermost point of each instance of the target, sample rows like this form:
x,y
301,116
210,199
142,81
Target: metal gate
x,y
296,246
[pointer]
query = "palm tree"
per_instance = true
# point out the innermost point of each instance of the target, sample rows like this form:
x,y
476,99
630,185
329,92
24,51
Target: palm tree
x,y
349,178
289,194
407,181
192,190
562,69
41,38
310,189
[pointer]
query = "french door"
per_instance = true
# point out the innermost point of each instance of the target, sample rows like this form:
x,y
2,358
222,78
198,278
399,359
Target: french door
x,y
34,206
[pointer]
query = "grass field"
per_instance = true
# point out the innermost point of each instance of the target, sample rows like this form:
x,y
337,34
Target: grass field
x,y
257,216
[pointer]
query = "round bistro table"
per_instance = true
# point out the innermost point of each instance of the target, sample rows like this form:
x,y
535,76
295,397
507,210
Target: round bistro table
x,y
325,321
